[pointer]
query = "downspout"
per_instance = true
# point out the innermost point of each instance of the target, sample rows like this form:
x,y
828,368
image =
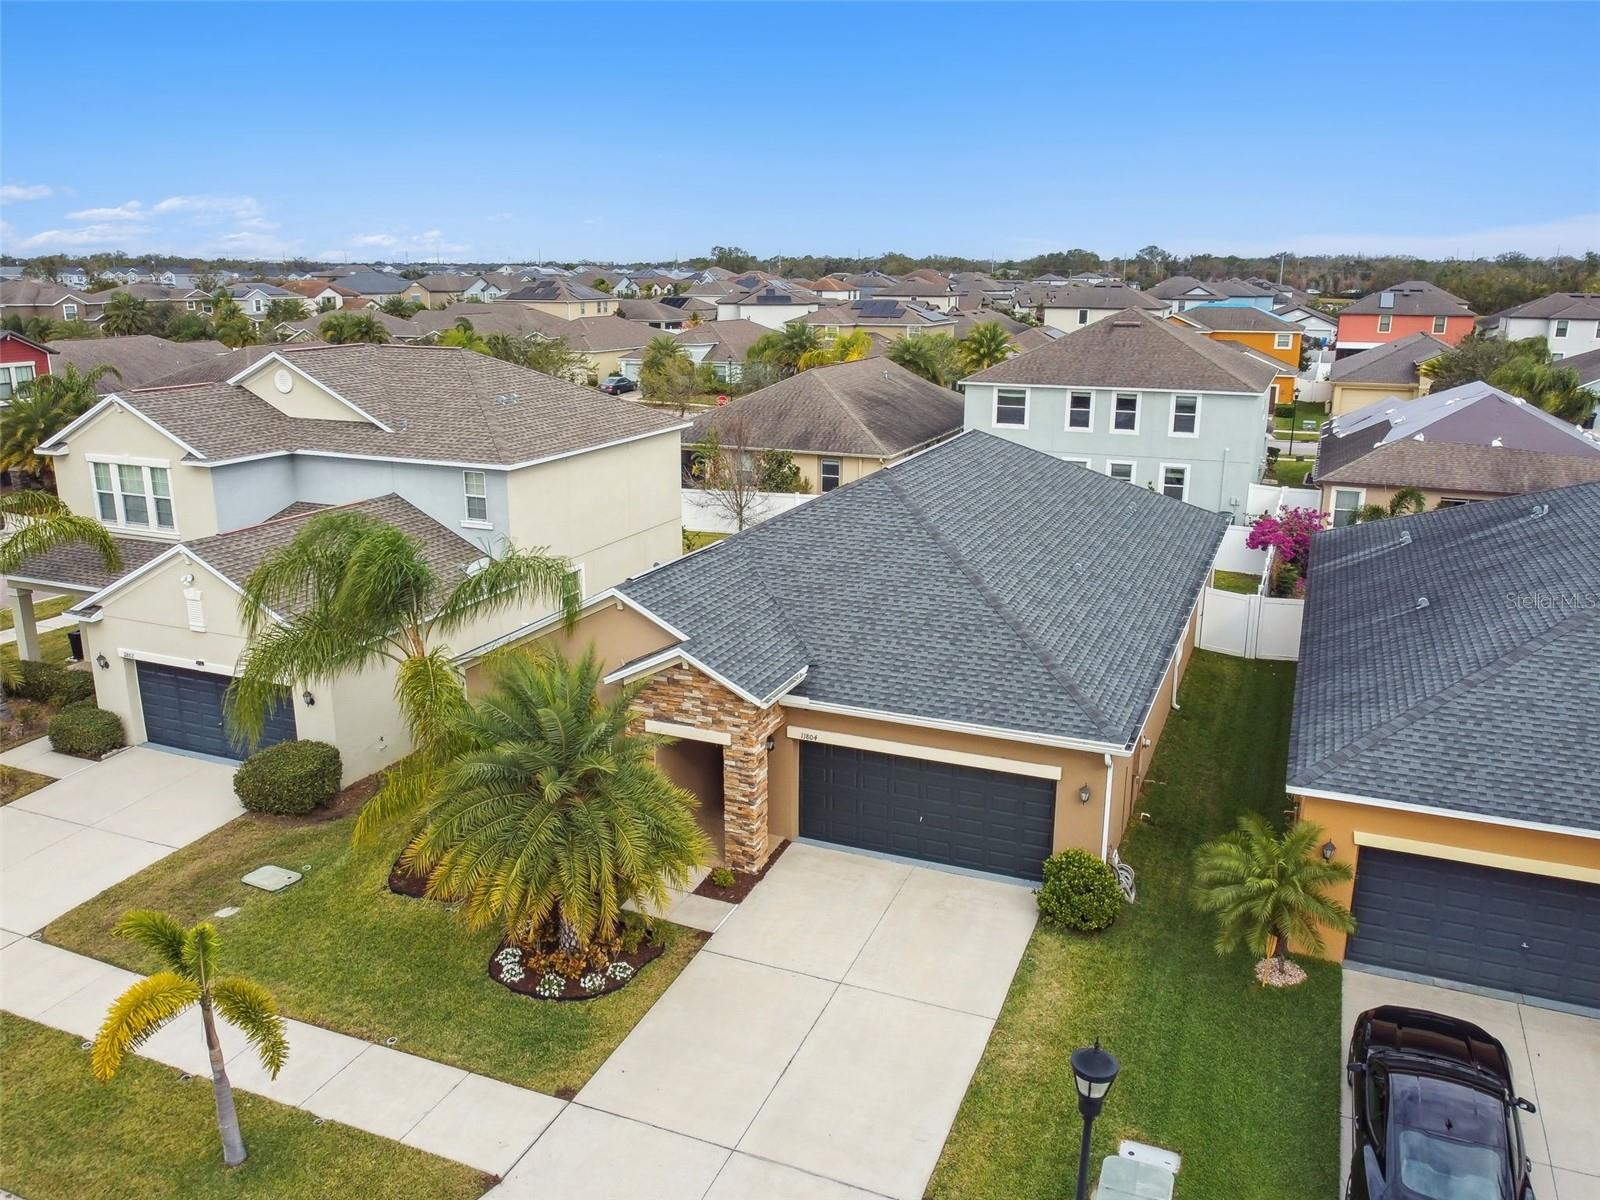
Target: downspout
x,y
1105,827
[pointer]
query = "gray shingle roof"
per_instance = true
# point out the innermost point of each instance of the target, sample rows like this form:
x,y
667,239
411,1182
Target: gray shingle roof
x,y
730,341
140,359
1586,365
1086,295
1414,298
78,566
1235,318
1572,305
442,405
1393,362
373,283
1482,701
870,408
556,291
978,582
1135,350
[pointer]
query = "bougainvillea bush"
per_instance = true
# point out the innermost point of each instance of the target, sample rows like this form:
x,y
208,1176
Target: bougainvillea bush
x,y
1289,533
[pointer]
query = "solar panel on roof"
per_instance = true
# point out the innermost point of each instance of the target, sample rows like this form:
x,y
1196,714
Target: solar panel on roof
x,y
877,308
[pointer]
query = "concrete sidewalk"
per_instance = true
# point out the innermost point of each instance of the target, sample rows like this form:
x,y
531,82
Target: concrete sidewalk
x,y
8,636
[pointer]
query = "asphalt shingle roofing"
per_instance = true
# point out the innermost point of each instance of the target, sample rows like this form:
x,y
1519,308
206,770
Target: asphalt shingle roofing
x,y
140,358
870,407
1135,349
440,405
1235,318
1452,660
1415,298
1392,362
978,582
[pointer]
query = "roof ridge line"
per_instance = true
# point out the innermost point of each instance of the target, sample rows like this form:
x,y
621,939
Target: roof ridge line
x,y
1001,608
1467,683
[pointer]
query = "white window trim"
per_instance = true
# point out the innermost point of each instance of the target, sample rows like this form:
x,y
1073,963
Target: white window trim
x,y
1561,328
823,461
1385,322
1027,409
1333,501
1076,461
1137,413
1172,415
468,521
1070,427
1440,325
1161,479
1131,464
153,529
69,312
1282,341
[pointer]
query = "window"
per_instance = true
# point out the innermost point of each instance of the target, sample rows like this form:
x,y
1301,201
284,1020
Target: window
x,y
1451,502
13,377
258,305
1175,481
1083,316
69,312
1011,407
1120,470
1186,416
1385,323
476,487
832,470
1125,417
130,494
1282,341
1377,1107
1561,328
190,305
1077,462
1080,410
1346,502
1439,324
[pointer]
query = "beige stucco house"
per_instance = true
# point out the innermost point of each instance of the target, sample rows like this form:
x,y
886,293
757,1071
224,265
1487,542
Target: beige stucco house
x,y
1392,369
562,298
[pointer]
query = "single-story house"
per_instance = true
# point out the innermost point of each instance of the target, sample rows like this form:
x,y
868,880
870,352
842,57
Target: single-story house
x,y
840,422
140,358
1390,370
1444,740
967,658
892,319
723,344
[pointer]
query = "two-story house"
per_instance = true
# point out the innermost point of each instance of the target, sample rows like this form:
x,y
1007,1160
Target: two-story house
x,y
562,298
1399,311
197,482
1569,323
22,360
1262,331
1182,292
1142,400
774,303
1070,306
25,298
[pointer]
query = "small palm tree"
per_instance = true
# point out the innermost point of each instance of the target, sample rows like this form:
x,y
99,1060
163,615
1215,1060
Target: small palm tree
x,y
343,327
554,814
784,348
188,977
846,347
398,306
1556,389
1407,502
1266,888
463,336
933,356
125,314
42,408
986,345
373,600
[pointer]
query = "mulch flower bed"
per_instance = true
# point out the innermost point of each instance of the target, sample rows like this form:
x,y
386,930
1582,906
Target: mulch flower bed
x,y
406,883
743,881
508,969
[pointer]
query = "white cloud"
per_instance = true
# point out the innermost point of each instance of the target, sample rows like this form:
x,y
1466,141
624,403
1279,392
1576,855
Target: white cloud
x,y
86,237
249,243
232,206
385,240
13,192
131,211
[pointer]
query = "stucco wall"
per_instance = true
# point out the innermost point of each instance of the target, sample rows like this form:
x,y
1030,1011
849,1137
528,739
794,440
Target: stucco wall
x,y
1348,397
250,492
118,434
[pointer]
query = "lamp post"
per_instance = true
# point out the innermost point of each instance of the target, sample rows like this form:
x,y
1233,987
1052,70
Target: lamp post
x,y
1095,1071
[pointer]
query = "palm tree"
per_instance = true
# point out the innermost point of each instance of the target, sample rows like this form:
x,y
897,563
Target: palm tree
x,y
343,327
933,356
984,346
1407,502
125,314
1266,888
845,347
463,336
67,331
784,348
554,814
188,977
398,306
1552,387
281,312
360,594
42,408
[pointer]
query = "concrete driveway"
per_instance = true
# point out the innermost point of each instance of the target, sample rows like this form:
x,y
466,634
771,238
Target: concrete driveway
x,y
98,824
1555,1062
819,1046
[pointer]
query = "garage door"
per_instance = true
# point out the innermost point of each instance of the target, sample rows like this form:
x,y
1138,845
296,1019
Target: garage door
x,y
985,820
1528,934
183,709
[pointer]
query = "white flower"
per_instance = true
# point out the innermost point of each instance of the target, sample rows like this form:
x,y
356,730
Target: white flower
x,y
551,985
619,971
592,982
509,955
511,972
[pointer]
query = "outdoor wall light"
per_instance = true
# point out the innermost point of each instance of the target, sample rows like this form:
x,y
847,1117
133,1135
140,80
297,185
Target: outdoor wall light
x,y
1084,794
101,661
771,745
308,698
1327,851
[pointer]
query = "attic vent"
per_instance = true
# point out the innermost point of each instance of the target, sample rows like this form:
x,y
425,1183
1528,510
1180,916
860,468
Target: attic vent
x,y
1417,437
1405,537
507,398
1422,602
1386,300
1540,510
1497,441
1124,324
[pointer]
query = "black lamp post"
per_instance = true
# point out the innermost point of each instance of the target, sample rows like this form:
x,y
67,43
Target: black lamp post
x,y
1095,1071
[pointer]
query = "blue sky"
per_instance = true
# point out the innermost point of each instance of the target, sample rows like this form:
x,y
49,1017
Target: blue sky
x,y
650,131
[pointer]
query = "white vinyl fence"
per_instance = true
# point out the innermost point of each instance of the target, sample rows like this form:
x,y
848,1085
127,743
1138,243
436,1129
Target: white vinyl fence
x,y
1255,625
704,512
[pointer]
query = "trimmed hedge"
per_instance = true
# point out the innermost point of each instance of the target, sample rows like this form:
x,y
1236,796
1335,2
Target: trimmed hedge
x,y
86,731
1079,892
52,683
290,778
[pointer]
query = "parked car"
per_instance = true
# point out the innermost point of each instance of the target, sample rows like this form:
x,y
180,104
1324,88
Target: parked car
x,y
1436,1112
616,385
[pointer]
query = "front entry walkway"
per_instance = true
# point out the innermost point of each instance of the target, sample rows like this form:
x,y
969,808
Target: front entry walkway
x,y
819,1046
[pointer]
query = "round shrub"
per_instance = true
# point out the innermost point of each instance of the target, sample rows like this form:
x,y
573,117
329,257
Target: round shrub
x,y
52,683
1079,892
290,778
73,687
86,731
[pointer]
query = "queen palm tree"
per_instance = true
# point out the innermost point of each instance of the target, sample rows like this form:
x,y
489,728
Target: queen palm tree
x,y
985,345
845,347
464,337
42,408
398,306
189,976
1266,888
1407,502
933,356
125,314
553,813
784,348
343,327
359,593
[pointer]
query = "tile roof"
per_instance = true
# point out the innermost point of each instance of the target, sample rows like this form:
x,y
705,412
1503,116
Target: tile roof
x,y
1135,350
979,582
140,359
869,408
1414,298
1452,660
1392,362
443,405
1236,318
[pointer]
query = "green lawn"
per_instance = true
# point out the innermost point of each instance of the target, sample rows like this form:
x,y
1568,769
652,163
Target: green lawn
x,y
64,1137
52,646
1237,1078
1304,410
1236,581
42,610
339,950
1292,472
15,783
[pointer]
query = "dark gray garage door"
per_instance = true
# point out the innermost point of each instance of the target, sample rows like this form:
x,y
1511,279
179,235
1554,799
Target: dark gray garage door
x,y
183,709
1528,934
985,820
